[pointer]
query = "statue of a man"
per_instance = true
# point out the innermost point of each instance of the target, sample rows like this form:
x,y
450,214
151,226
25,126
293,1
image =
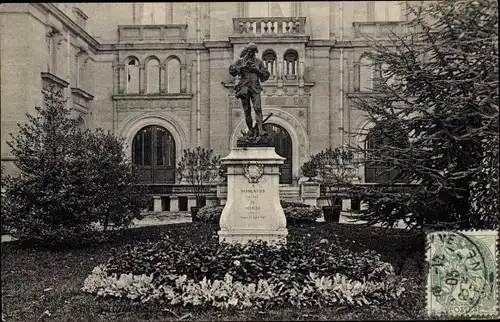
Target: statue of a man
x,y
252,71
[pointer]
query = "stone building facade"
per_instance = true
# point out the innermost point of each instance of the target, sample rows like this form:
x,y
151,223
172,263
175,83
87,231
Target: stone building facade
x,y
157,73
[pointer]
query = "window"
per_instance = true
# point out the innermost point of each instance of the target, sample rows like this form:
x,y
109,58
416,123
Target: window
x,y
133,76
269,58
173,75
365,74
291,60
153,76
81,124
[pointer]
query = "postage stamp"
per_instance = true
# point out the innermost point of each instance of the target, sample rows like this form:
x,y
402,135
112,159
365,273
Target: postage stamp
x,y
462,273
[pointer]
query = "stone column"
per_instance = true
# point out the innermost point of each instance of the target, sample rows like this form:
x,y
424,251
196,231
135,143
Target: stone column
x,y
142,79
183,78
346,204
174,203
253,210
191,202
189,80
121,82
163,79
157,204
280,74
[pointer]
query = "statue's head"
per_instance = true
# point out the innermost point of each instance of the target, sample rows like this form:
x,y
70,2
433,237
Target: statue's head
x,y
251,48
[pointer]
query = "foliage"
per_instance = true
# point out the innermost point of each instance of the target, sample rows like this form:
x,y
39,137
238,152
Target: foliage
x,y
210,214
309,169
68,180
244,275
437,86
119,198
200,168
335,167
26,271
295,213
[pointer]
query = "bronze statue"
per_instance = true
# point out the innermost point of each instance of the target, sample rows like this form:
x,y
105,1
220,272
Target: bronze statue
x,y
252,71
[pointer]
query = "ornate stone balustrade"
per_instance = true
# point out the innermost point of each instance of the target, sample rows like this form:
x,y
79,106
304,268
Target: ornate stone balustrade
x,y
133,33
267,26
379,29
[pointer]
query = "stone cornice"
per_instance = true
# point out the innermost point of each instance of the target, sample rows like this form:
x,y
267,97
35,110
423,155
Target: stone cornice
x,y
153,46
82,93
181,96
268,39
321,42
214,44
231,84
364,94
61,16
59,81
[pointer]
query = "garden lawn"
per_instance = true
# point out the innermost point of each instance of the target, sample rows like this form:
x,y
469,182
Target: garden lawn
x,y
45,285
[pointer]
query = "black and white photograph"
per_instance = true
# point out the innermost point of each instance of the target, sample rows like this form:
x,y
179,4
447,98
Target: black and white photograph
x,y
249,161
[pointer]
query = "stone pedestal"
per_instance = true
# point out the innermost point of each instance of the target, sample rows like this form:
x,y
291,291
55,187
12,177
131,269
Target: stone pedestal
x,y
174,203
157,204
346,204
309,192
253,210
191,202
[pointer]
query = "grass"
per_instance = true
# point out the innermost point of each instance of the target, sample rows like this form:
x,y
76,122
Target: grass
x,y
35,281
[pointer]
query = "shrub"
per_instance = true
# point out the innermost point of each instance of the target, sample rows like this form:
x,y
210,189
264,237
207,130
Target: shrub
x,y
295,213
244,262
210,214
68,180
236,275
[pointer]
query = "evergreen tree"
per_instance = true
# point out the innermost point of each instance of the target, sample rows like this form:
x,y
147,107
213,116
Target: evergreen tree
x,y
68,179
436,115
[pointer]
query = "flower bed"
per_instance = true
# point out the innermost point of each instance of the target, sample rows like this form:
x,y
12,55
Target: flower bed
x,y
295,213
224,275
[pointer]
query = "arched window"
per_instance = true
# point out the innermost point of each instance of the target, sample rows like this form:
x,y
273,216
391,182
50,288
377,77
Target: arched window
x,y
133,76
81,124
291,59
283,147
269,58
153,154
365,74
173,75
153,76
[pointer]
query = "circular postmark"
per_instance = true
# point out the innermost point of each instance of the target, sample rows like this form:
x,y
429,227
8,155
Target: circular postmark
x,y
462,274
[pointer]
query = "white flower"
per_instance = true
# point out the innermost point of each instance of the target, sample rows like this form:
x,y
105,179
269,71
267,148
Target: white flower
x,y
237,263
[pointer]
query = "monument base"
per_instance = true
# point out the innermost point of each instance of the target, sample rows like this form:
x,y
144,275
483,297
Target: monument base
x,y
243,236
253,210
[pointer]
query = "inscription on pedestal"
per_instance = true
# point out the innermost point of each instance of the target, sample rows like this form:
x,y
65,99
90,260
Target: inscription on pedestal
x,y
253,209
